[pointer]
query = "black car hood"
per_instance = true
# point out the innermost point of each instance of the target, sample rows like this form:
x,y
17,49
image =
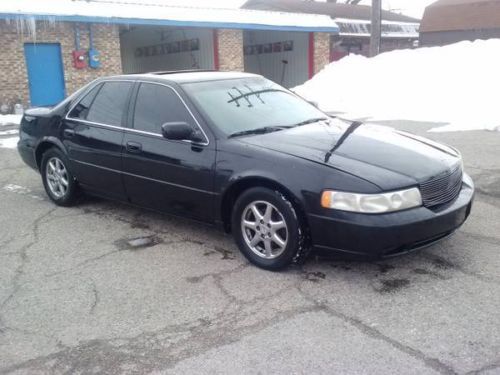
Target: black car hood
x,y
387,158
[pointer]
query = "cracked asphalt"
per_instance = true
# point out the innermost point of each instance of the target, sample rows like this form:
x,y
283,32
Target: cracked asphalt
x,y
76,296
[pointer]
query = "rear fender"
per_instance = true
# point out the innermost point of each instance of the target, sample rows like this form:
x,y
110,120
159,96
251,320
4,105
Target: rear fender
x,y
44,144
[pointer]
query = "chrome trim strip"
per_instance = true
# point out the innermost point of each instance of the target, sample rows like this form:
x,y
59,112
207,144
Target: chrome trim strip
x,y
145,178
131,130
116,127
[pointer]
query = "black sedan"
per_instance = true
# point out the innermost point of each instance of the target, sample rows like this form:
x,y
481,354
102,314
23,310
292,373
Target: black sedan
x,y
239,151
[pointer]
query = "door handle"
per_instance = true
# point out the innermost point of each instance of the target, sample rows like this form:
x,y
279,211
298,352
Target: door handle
x,y
69,133
134,147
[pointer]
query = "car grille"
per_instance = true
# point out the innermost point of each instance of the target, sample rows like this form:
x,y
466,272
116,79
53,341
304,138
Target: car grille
x,y
442,189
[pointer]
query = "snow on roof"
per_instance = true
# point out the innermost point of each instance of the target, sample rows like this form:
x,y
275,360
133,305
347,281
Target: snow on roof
x,y
390,29
127,12
331,8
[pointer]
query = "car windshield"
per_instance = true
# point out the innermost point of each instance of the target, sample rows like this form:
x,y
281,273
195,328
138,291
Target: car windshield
x,y
251,105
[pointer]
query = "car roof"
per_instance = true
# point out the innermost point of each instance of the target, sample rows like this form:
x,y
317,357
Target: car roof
x,y
187,76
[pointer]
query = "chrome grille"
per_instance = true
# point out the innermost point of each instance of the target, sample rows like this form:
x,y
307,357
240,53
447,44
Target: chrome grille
x,y
442,189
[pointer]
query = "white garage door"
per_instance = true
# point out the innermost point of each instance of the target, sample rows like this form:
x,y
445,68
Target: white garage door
x,y
278,55
149,49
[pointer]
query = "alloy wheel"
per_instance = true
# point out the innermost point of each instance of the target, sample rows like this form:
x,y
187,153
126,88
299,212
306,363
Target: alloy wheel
x,y
57,177
264,229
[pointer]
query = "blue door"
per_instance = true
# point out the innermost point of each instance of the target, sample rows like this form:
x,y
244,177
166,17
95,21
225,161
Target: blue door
x,y
45,73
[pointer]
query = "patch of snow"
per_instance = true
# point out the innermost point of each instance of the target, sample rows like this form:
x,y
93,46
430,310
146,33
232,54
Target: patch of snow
x,y
10,119
458,126
9,142
8,132
455,84
18,189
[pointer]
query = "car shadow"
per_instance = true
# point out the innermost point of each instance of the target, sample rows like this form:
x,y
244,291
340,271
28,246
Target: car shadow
x,y
386,275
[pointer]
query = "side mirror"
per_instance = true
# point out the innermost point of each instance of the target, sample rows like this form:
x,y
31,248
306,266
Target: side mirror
x,y
180,131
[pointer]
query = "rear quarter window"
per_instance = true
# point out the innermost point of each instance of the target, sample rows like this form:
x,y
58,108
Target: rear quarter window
x,y
81,110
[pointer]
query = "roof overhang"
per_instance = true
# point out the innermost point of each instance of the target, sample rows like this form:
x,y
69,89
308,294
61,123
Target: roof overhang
x,y
102,11
390,29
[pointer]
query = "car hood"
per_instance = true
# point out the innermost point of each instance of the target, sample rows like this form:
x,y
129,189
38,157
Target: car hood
x,y
386,157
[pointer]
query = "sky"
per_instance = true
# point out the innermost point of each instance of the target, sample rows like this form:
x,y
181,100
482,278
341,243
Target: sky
x,y
413,8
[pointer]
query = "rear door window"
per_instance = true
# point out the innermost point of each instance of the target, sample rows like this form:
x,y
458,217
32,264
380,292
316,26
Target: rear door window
x,y
81,110
110,104
156,105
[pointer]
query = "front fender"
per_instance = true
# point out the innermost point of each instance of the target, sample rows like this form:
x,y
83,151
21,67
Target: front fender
x,y
302,179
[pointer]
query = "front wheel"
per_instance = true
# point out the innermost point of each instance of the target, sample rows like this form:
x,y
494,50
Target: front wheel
x,y
266,228
58,181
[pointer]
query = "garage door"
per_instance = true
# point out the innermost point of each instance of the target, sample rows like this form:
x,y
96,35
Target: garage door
x,y
280,56
149,49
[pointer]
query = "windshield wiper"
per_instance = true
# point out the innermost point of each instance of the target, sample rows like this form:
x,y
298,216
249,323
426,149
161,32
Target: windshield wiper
x,y
263,130
310,121
269,129
354,125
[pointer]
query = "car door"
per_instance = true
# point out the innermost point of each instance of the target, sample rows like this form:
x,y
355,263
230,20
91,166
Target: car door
x,y
172,176
93,134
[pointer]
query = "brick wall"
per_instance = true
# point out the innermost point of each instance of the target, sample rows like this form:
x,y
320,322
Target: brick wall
x,y
230,50
321,51
13,73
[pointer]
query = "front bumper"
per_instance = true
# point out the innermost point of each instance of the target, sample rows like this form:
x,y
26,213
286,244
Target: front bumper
x,y
384,235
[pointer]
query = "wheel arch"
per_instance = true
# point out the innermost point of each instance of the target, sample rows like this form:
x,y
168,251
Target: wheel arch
x,y
234,190
45,144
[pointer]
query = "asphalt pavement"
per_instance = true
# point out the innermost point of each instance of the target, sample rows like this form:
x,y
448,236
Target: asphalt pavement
x,y
107,288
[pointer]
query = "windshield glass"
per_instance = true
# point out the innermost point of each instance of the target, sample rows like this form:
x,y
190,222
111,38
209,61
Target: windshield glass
x,y
246,104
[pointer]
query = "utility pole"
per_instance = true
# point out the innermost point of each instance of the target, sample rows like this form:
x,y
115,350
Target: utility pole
x,y
376,29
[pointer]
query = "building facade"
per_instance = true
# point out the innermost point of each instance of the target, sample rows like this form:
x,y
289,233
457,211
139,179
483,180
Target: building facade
x,y
50,54
451,21
354,22
15,40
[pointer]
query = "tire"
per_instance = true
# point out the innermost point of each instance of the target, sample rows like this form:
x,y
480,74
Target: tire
x,y
58,181
266,228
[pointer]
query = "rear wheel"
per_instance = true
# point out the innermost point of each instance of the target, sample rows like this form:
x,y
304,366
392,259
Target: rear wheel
x,y
266,228
58,181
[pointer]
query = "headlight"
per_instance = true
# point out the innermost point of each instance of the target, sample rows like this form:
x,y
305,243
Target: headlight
x,y
372,203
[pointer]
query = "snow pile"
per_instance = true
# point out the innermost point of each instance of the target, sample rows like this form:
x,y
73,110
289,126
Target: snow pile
x,y
9,138
10,119
456,84
9,142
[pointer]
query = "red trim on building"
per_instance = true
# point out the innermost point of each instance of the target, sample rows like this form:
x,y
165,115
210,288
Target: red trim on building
x,y
216,49
311,55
